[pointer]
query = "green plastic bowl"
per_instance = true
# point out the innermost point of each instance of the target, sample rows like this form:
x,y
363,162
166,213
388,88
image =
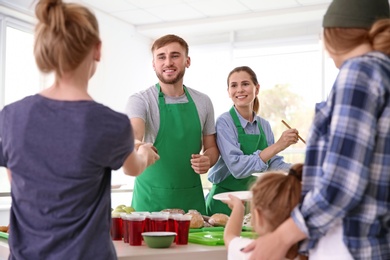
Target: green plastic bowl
x,y
159,239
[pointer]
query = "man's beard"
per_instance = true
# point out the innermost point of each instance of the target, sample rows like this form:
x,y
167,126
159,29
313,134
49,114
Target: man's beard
x,y
171,81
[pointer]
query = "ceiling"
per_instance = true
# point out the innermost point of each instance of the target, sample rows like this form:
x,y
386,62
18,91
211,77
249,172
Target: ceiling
x,y
209,21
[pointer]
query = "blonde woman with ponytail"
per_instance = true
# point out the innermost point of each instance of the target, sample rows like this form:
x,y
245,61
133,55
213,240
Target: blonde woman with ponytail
x,y
60,146
245,141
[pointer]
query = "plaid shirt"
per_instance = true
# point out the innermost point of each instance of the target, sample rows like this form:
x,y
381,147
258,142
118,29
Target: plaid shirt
x,y
347,167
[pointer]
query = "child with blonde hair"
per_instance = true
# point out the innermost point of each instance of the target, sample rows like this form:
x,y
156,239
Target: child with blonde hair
x,y
274,196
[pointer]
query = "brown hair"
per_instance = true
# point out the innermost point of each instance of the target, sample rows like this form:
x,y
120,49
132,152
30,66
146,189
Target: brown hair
x,y
64,35
342,40
167,39
275,195
252,74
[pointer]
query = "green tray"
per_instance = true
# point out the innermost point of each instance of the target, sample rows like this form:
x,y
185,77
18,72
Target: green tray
x,y
193,230
246,228
4,235
213,238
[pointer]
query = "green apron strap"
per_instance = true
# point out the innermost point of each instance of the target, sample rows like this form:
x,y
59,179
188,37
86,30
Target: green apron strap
x,y
236,121
248,144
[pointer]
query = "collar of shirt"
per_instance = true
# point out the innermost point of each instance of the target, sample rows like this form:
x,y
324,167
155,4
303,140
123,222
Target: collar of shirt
x,y
244,123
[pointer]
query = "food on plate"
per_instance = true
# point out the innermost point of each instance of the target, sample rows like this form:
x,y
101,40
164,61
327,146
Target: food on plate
x,y
206,224
174,211
123,209
128,209
4,228
247,220
219,219
196,220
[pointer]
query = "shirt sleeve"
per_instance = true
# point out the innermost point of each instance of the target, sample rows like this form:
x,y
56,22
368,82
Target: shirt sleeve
x,y
2,154
209,126
239,164
123,149
340,150
136,107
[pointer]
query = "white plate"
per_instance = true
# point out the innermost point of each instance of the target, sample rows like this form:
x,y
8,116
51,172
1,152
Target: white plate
x,y
257,174
242,195
116,186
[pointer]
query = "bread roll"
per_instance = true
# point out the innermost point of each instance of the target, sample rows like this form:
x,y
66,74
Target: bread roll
x,y
219,219
174,211
4,229
196,220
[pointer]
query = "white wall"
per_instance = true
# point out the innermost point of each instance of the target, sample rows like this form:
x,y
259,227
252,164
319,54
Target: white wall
x,y
126,64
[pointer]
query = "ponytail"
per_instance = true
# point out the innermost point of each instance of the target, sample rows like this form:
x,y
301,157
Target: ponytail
x,y
379,36
64,35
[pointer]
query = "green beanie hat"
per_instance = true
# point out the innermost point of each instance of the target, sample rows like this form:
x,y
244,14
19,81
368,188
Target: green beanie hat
x,y
355,13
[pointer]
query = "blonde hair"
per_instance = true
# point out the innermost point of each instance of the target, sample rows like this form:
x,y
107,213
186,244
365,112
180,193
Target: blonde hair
x,y
252,75
64,35
275,195
342,40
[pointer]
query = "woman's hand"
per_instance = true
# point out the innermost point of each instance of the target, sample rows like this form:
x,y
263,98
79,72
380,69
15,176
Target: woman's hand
x,y
288,138
137,144
149,151
267,247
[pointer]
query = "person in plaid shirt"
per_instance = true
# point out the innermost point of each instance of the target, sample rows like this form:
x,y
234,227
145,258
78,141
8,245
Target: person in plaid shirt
x,y
345,209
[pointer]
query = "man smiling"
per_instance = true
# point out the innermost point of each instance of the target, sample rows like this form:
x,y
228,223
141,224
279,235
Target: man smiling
x,y
180,122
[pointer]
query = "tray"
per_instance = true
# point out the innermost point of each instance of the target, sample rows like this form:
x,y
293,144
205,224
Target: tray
x,y
213,238
3,235
193,230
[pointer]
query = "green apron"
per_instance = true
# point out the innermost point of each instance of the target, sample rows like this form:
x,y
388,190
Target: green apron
x,y
248,144
171,182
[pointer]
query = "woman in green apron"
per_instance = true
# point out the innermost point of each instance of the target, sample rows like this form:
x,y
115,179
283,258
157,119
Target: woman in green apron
x,y
245,141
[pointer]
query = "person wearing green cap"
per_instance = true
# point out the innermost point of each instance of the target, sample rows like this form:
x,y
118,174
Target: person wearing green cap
x,y
345,208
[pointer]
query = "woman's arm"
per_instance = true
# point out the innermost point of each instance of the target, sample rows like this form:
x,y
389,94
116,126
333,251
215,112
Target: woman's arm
x,y
288,138
9,175
239,164
274,246
139,159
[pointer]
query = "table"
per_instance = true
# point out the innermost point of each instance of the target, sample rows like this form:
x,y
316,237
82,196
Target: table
x,y
175,252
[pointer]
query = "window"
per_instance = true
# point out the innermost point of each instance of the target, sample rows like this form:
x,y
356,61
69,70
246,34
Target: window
x,y
17,73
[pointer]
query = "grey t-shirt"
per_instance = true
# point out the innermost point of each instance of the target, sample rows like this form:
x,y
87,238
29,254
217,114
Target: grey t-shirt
x,y
61,154
144,104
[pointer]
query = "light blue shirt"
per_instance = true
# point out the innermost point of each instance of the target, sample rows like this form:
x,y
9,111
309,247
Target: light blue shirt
x,y
232,160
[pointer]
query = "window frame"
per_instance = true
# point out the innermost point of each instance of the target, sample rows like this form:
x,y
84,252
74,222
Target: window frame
x,y
15,23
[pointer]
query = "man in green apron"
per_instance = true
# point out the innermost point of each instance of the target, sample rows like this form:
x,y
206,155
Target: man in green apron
x,y
179,121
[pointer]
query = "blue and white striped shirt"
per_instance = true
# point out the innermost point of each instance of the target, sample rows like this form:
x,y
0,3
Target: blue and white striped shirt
x,y
232,160
347,164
